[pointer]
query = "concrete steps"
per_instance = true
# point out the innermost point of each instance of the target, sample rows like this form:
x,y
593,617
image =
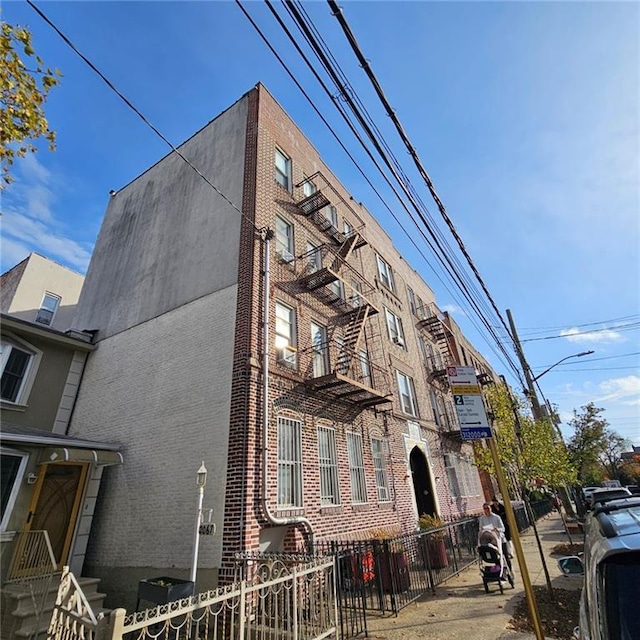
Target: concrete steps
x,y
20,620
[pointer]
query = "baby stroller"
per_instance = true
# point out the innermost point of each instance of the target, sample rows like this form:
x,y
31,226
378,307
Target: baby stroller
x,y
494,563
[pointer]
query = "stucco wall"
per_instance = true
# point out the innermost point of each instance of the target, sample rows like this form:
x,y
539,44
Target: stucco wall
x,y
157,389
28,282
168,238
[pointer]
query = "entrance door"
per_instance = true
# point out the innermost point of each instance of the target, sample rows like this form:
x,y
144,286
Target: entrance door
x,y
55,503
422,483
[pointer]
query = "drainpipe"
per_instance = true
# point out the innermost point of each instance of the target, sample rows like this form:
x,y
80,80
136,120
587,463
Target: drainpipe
x,y
267,235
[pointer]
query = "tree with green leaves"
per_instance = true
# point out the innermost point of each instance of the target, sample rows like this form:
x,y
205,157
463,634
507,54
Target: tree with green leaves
x,y
529,449
25,82
594,448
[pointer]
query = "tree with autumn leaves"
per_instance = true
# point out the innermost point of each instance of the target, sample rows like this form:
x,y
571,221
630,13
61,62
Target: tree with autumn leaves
x,y
25,82
528,449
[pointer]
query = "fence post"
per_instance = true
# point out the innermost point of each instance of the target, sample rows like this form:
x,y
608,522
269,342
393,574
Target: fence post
x,y
242,615
116,624
294,577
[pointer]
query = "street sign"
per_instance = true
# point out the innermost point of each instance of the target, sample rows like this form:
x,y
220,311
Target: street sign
x,y
467,399
475,433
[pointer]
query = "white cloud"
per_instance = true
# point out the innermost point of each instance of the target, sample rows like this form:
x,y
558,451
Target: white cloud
x,y
625,390
28,223
602,335
454,309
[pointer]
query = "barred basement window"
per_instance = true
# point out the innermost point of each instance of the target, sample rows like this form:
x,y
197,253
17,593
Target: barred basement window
x,y
289,463
356,468
328,464
380,466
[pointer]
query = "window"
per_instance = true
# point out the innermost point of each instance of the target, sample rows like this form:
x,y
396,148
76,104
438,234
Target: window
x,y
424,353
309,188
48,308
314,257
319,355
283,169
462,476
17,364
284,239
356,290
356,467
328,463
285,332
289,463
385,274
394,328
331,214
407,394
347,229
365,368
380,466
337,289
12,466
412,301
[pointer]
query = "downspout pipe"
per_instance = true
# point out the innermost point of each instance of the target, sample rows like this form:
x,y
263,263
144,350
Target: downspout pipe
x,y
267,236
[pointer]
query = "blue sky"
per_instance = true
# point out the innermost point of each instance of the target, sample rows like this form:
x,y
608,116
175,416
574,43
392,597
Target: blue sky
x,y
525,114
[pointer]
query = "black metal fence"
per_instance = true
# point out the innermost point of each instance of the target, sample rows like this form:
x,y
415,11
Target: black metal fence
x,y
384,576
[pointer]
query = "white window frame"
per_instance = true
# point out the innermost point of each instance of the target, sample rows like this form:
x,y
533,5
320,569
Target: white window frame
x,y
285,333
407,394
411,296
49,305
347,228
7,344
285,244
328,466
356,468
314,257
16,483
462,476
319,350
394,328
289,482
283,174
331,214
309,188
380,467
365,368
385,274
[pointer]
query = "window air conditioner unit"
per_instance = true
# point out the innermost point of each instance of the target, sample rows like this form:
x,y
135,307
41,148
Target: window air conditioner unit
x,y
285,256
287,355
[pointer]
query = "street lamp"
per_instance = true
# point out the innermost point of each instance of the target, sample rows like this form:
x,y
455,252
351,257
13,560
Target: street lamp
x,y
201,480
575,355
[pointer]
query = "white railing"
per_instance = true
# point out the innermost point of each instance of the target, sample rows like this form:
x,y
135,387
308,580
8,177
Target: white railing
x,y
278,601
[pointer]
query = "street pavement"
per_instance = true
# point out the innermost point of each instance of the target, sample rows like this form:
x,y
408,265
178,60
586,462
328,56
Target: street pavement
x,y
462,610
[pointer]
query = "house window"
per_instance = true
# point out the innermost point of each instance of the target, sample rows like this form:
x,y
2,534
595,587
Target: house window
x,y
314,257
356,467
407,394
285,334
385,274
394,328
347,229
12,466
328,463
284,239
283,169
309,188
331,214
380,467
462,476
365,368
319,354
16,363
289,463
48,308
412,301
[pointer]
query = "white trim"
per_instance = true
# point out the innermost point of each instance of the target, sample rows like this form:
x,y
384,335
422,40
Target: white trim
x,y
12,340
16,483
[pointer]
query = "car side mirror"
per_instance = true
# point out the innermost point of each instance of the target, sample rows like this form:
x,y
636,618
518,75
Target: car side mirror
x,y
571,566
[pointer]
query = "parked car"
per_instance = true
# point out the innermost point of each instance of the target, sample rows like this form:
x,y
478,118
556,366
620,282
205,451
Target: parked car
x,y
603,495
587,491
611,568
634,489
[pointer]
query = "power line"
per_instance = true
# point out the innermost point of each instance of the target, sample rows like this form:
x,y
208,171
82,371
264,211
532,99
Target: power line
x,y
622,327
622,355
586,324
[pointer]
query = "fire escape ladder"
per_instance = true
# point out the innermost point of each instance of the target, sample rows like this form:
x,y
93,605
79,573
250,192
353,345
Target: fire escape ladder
x,y
345,250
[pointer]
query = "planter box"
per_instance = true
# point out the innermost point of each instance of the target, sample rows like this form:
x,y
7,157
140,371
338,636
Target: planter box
x,y
435,553
163,590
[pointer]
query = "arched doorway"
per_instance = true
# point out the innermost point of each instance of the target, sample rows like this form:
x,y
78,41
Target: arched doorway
x,y
425,500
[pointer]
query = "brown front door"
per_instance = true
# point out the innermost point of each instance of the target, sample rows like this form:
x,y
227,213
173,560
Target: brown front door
x,y
55,504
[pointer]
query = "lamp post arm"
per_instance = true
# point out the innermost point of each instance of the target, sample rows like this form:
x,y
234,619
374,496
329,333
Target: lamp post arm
x,y
575,355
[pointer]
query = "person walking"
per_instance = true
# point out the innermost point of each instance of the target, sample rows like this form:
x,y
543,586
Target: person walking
x,y
498,508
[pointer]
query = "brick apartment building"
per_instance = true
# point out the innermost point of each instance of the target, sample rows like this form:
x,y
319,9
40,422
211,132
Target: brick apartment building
x,y
291,348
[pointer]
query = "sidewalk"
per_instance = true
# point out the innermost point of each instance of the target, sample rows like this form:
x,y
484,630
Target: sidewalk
x,y
461,609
